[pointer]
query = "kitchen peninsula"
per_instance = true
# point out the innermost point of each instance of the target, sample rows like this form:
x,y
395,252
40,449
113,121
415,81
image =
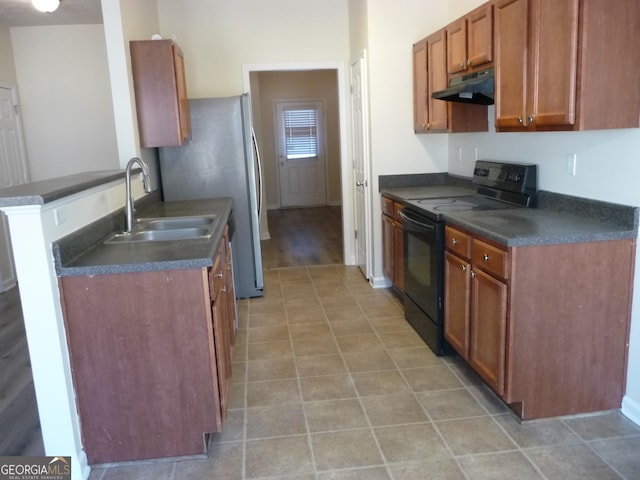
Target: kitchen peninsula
x,y
41,214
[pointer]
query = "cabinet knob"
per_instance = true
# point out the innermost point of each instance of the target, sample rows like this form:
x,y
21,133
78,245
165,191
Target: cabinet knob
x,y
520,120
473,274
468,61
461,64
464,268
454,241
485,257
530,119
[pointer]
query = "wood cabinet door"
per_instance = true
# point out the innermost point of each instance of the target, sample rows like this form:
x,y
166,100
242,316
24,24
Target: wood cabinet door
x,y
487,352
387,247
457,302
398,256
457,46
480,36
223,352
420,95
437,80
511,40
554,63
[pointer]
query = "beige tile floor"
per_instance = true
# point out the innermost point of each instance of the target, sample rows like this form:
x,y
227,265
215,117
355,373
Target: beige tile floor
x,y
330,382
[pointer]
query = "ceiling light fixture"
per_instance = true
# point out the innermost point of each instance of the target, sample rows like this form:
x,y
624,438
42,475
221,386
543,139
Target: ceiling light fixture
x,y
46,5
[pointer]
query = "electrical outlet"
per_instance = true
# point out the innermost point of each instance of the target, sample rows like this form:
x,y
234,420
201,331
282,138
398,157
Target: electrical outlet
x,y
459,157
571,166
60,215
475,153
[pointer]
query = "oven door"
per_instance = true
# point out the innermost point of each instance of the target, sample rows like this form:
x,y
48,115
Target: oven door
x,y
423,267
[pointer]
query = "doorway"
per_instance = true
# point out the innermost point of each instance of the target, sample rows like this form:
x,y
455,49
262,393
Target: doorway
x,y
272,88
13,171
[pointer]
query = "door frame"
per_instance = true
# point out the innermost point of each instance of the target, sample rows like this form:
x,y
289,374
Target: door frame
x,y
346,172
9,282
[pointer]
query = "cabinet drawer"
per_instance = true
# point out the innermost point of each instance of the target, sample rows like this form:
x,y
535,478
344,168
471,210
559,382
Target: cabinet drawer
x,y
387,206
458,242
392,209
491,259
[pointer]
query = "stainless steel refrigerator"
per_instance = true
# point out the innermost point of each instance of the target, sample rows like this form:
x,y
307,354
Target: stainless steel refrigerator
x,y
222,160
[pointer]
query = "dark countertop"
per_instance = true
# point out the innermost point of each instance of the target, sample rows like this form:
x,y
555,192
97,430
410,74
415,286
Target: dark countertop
x,y
402,194
558,219
84,253
45,191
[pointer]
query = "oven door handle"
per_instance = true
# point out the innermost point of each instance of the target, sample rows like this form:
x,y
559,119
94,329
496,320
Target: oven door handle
x,y
413,221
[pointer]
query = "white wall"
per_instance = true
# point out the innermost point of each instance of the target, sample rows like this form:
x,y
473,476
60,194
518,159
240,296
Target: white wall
x,y
393,27
219,36
66,99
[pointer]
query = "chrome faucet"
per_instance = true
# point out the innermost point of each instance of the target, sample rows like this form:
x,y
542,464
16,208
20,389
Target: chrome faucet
x,y
147,188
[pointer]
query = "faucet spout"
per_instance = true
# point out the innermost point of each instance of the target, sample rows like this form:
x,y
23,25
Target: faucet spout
x,y
147,188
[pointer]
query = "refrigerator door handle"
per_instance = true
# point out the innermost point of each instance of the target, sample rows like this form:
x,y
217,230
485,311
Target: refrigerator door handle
x,y
259,172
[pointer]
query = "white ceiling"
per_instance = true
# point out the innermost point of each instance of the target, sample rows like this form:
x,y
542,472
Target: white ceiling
x,y
20,13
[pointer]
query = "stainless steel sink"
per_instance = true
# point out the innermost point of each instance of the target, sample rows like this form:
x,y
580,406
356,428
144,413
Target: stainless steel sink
x,y
170,223
165,229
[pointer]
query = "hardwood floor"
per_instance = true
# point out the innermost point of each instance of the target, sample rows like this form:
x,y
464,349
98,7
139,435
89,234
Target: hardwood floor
x,y
299,237
19,421
303,237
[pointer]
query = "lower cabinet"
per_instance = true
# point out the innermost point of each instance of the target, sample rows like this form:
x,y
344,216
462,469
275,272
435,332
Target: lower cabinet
x,y
393,243
546,326
150,358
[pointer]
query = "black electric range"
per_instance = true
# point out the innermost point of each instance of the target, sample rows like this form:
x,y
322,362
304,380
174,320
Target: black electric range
x,y
499,186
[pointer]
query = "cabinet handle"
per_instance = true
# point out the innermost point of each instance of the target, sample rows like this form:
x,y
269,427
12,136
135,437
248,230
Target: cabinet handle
x,y
454,241
219,275
520,120
530,119
468,61
485,257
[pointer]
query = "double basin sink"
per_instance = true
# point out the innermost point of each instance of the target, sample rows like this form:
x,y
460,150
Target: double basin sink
x,y
167,229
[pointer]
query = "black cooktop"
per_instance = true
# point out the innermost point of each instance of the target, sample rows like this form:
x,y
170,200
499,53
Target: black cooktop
x,y
500,186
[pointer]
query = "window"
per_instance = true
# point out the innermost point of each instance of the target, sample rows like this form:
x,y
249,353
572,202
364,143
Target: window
x,y
301,133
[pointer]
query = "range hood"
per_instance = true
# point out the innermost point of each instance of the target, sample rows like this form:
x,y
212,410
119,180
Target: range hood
x,y
475,87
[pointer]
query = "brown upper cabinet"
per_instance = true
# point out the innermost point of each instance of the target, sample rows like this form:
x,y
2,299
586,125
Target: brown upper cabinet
x,y
161,93
430,75
565,65
470,40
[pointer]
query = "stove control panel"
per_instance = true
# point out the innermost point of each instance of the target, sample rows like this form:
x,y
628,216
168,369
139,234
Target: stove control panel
x,y
513,177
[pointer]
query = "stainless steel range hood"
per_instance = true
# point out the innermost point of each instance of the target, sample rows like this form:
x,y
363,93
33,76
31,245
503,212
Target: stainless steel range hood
x,y
477,87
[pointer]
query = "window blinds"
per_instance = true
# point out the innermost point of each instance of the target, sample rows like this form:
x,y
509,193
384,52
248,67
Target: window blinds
x,y
301,133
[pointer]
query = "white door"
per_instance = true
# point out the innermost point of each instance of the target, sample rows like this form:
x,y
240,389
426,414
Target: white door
x,y
301,153
13,171
361,165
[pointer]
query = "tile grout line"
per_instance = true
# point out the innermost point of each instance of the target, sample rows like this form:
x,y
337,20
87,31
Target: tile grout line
x,y
314,467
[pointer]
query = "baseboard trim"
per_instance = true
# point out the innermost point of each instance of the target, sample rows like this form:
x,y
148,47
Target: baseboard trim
x,y
380,282
631,409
